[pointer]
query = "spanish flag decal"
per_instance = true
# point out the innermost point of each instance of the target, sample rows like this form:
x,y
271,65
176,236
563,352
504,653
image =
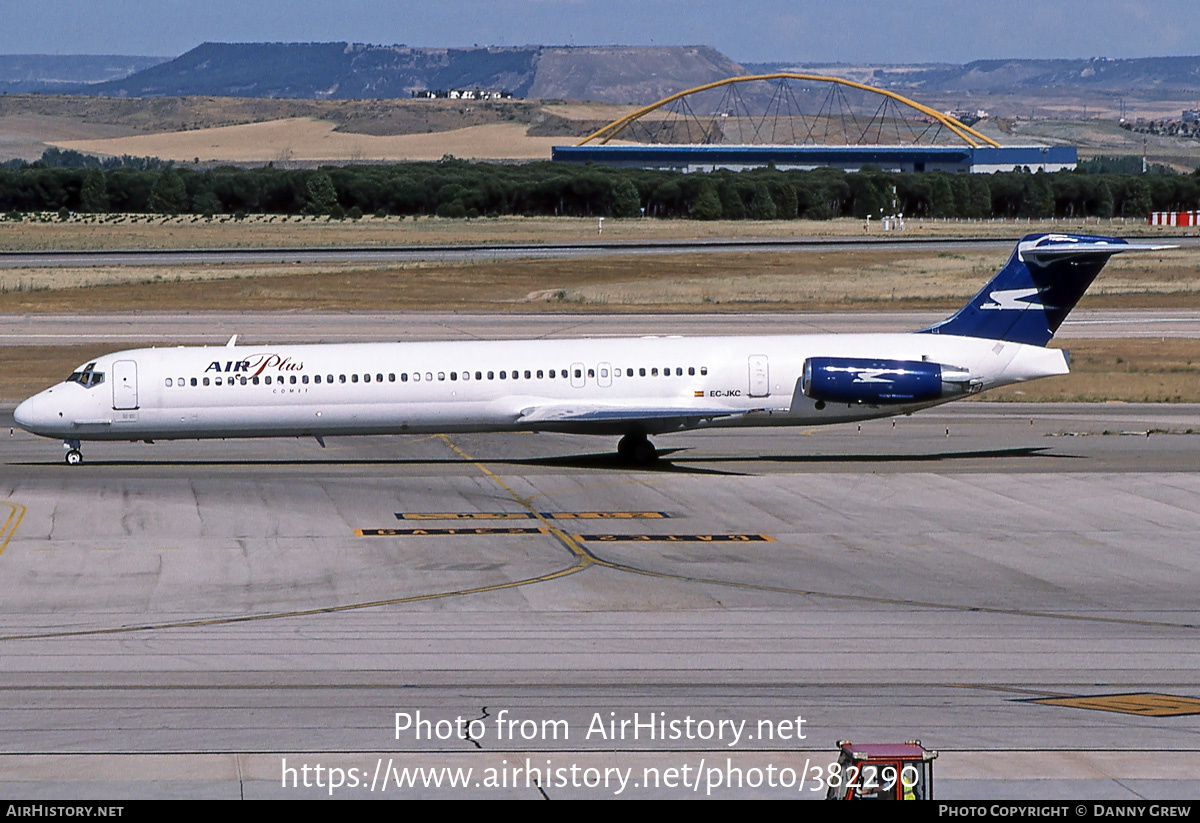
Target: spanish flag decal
x,y
698,394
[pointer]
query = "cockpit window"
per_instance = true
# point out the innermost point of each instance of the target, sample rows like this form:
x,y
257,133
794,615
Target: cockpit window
x,y
87,377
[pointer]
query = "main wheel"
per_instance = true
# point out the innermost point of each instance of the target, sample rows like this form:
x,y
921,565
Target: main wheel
x,y
636,449
74,457
644,453
626,444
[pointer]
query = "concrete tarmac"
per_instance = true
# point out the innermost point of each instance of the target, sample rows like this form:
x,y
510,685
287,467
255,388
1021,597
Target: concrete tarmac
x,y
194,619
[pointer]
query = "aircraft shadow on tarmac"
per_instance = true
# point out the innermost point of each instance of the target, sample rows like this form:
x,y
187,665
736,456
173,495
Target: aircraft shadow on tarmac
x,y
670,460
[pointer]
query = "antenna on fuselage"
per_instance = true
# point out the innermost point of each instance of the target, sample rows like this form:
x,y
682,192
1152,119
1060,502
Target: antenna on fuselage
x,y
232,342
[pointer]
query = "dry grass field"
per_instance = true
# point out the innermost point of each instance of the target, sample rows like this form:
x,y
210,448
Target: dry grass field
x,y
1133,370
254,130
308,140
719,281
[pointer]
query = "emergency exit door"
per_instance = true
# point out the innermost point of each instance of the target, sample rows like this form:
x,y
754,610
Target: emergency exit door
x,y
760,378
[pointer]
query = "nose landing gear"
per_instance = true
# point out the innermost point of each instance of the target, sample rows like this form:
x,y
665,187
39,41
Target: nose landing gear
x,y
74,456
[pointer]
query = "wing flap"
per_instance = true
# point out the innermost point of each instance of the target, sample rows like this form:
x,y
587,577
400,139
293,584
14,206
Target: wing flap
x,y
599,413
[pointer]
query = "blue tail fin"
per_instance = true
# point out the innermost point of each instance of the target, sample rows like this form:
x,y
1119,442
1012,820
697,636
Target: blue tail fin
x,y
1032,295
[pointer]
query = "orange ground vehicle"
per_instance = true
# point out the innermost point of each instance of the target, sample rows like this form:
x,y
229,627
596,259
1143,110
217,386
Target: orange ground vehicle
x,y
884,771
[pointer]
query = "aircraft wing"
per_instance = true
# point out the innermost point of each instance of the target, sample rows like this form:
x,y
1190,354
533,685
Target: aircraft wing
x,y
612,413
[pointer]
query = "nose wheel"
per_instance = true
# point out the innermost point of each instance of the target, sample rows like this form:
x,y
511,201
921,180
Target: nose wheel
x,y
74,456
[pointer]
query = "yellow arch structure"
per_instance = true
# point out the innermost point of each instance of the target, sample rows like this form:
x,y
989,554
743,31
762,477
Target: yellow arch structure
x,y
968,134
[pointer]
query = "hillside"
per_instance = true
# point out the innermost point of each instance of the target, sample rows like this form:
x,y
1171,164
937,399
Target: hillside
x,y
617,74
1141,75
49,73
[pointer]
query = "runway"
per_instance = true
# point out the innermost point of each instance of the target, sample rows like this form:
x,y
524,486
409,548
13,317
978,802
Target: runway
x,y
189,619
468,252
137,329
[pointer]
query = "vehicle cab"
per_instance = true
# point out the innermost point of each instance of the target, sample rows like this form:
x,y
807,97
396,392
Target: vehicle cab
x,y
883,771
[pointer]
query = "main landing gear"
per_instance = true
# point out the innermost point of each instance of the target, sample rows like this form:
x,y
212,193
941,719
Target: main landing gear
x,y
636,449
74,455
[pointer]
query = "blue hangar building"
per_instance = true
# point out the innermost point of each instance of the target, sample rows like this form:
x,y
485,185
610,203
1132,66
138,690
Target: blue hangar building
x,y
688,158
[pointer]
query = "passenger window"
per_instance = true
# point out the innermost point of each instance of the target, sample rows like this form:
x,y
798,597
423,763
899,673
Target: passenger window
x,y
206,381
641,372
502,375
528,374
404,377
391,377
604,372
303,379
654,372
428,375
253,380
366,378
354,378
704,369
478,375
266,380
378,378
416,377
691,370
629,372
168,382
678,371
193,381
591,372
441,376
341,378
491,375
552,374
539,374
579,373
292,379
454,375
217,380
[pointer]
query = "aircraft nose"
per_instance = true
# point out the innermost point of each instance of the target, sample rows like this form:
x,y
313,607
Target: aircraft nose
x,y
24,414
32,414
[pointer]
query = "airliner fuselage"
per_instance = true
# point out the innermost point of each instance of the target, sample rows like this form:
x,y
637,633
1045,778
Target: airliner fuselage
x,y
598,386
632,387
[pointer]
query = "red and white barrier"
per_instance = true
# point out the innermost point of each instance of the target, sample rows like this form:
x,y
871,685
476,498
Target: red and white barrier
x,y
1174,218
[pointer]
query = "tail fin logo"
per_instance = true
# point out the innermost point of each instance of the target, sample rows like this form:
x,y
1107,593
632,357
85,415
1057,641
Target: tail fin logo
x,y
1013,299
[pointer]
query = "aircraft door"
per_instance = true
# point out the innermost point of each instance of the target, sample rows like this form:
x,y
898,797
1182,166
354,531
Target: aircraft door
x,y
577,375
760,378
604,375
125,389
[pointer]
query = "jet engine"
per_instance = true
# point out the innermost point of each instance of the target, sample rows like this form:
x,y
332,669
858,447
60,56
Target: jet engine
x,y
879,382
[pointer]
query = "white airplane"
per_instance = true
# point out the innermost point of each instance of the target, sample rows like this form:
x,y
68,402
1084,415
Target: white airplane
x,y
631,387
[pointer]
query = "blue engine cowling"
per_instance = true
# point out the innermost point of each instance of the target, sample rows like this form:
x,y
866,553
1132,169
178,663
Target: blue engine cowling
x,y
863,380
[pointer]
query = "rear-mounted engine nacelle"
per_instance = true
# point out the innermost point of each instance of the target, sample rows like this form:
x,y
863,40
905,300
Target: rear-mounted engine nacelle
x,y
867,381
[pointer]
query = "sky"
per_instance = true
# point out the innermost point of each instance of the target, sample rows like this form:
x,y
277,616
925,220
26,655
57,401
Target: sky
x,y
862,31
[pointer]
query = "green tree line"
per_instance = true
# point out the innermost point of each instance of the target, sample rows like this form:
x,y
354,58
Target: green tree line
x,y
454,188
